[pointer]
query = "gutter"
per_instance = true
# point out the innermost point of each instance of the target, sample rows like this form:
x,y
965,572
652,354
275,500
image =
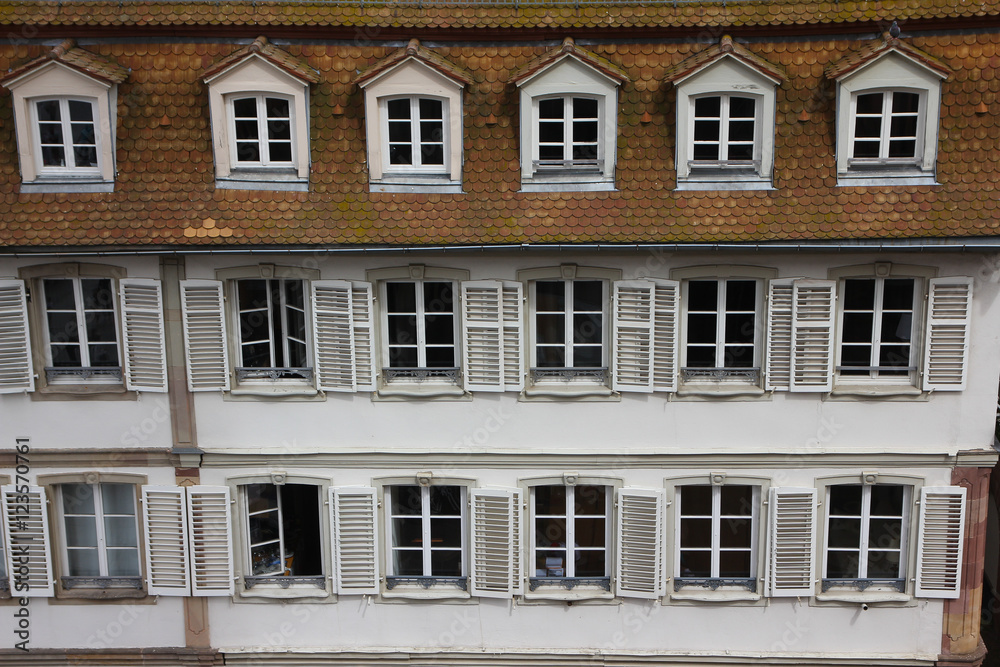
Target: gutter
x,y
984,244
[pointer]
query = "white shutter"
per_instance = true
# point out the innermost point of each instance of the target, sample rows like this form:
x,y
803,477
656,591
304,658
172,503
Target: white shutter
x,y
639,569
142,328
512,294
15,343
666,342
364,336
205,345
354,541
791,542
211,545
333,335
482,335
778,363
164,523
946,341
814,306
496,542
632,336
941,542
26,529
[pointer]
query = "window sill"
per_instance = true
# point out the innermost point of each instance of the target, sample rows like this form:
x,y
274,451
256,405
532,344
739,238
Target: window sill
x,y
420,391
696,390
569,390
421,593
100,594
67,185
879,391
416,183
556,593
719,180
275,392
698,594
884,178
866,597
286,180
82,392
568,182
276,592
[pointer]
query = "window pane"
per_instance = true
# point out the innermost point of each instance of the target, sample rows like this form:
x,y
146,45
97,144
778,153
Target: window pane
x,y
897,294
438,298
896,327
408,563
59,295
66,356
740,328
887,500
53,157
590,564
83,133
550,500
845,499
857,328
405,500
85,157
550,532
431,131
100,327
902,148
400,133
430,108
276,107
119,531
245,107
703,295
280,152
590,500
842,564
883,564
402,329
741,107
588,357
266,559
844,533
868,128
589,532
432,154
48,111
903,126
737,500
588,295
261,497
741,131
83,563
81,531
79,110
550,108
399,109
77,498
406,532
696,500
701,357
550,328
50,133
550,357
446,532
440,329
401,297
735,533
123,562
701,328
585,132
587,329
550,563
870,103
584,152
441,357
740,152
247,130
247,152
446,563
584,107
859,294
905,102
118,498
550,295
707,107
734,564
696,533
706,152
264,527
706,130
738,356
696,563
446,500
63,328
885,533
403,357
894,355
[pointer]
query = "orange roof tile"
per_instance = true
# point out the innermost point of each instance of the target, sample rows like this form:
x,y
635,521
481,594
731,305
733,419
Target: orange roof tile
x,y
875,50
269,52
68,53
417,52
569,49
725,47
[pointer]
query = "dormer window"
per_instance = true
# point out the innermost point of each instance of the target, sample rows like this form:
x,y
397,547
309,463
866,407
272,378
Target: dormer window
x,y
887,132
259,102
65,105
725,119
569,109
413,107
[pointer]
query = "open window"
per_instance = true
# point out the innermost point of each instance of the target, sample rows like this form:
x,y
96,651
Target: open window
x,y
414,117
65,115
569,120
888,113
725,118
259,103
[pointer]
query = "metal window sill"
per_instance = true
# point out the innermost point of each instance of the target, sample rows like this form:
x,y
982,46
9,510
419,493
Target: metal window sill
x,y
67,185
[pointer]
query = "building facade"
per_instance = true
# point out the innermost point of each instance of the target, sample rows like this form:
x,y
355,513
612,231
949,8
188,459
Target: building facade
x,y
343,334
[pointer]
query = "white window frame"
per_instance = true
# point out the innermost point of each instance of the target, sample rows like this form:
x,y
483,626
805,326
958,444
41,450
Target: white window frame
x,y
263,133
568,345
884,74
844,590
568,77
87,373
426,548
416,165
717,518
723,141
270,310
56,80
413,78
97,490
68,144
567,587
421,327
264,382
568,143
885,137
879,272
249,77
726,77
294,588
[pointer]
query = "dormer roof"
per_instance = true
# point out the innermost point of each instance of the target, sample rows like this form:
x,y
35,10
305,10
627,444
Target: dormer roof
x,y
569,49
880,49
72,56
263,49
414,51
726,48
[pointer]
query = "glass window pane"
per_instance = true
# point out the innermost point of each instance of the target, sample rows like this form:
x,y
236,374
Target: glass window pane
x,y
550,108
845,499
550,328
696,499
897,294
430,108
50,133
588,357
441,357
446,500
588,295
885,533
431,132
859,294
696,563
585,132
81,531
261,497
702,295
735,533
59,295
400,133
734,564
696,533
63,328
83,133
402,329
868,128
701,328
887,500
590,500
83,563
407,532
550,532
591,564
405,500
266,560
123,562
902,148
905,102
842,564
550,357
588,328
707,107
438,298
741,107
706,130
398,109
79,110
550,295
706,152
408,563
870,103
857,327
584,107
280,152
401,297
53,157
736,500
446,563
844,533
740,328
883,564
118,498
897,327
446,532
119,531
77,498
264,527
550,500
100,327
66,356
48,110
589,532
276,107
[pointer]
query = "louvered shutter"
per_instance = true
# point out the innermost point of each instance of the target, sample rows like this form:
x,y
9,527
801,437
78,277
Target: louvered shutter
x,y
355,545
142,328
778,362
946,341
165,527
496,542
364,336
211,549
941,542
632,337
639,568
666,342
814,305
333,335
791,541
26,530
482,335
205,346
513,335
15,343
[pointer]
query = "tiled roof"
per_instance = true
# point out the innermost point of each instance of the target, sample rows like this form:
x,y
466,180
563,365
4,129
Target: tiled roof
x,y
875,50
68,53
269,52
569,49
376,19
726,46
165,188
417,52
